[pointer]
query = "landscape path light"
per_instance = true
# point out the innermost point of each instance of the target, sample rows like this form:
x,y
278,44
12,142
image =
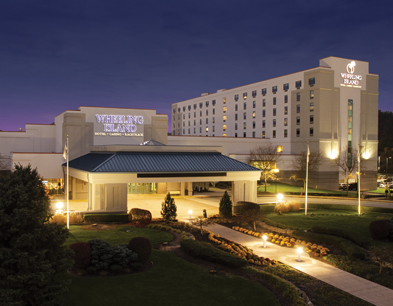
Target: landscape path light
x,y
59,206
264,237
299,252
190,213
280,197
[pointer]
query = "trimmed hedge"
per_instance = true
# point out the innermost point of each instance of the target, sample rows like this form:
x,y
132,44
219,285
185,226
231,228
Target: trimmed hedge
x,y
105,218
243,206
208,252
364,209
356,238
288,292
345,245
267,207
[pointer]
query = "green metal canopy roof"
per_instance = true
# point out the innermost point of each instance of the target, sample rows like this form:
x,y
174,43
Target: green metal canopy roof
x,y
154,162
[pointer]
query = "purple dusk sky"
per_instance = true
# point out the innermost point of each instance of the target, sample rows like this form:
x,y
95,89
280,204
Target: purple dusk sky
x,y
58,55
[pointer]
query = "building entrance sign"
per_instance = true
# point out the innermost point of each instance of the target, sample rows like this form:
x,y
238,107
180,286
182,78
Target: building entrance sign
x,y
119,125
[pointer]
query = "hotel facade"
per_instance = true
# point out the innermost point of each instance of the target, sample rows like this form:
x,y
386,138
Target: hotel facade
x,y
333,107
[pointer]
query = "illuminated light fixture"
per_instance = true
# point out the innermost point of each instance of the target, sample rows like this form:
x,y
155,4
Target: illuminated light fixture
x,y
299,253
190,213
264,237
276,170
333,154
366,155
280,197
279,149
59,206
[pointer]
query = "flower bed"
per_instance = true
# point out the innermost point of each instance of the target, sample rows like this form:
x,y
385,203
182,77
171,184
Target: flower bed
x,y
311,248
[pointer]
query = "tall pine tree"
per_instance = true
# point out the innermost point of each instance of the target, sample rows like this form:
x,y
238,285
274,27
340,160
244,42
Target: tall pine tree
x,y
225,206
33,262
169,209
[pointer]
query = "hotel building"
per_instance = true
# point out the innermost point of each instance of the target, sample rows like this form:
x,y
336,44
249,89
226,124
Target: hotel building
x,y
333,106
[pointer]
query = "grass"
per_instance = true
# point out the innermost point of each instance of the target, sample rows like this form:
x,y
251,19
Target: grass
x,y
116,236
285,188
172,280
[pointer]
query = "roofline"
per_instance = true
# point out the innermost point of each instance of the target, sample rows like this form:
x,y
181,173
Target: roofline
x,y
36,153
117,107
349,59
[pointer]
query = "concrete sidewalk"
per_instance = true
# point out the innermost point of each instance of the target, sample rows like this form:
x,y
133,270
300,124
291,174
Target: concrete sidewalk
x,y
357,286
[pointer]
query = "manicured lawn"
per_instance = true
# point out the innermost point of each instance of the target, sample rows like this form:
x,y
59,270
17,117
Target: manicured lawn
x,y
283,188
116,236
172,281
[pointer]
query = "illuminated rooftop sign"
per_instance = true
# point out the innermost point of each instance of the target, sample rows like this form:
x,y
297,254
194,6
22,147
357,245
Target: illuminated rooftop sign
x,y
350,79
119,125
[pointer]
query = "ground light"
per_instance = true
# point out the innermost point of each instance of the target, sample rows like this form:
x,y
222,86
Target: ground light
x,y
280,197
190,213
264,237
299,252
59,206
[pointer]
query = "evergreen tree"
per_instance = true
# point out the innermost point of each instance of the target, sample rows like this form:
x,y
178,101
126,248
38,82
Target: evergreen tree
x,y
33,261
226,206
168,208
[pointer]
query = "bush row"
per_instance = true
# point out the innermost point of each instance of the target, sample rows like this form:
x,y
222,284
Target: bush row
x,y
95,218
364,209
356,238
346,246
288,291
208,252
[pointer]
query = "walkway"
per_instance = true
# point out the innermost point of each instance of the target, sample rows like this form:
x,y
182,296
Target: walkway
x,y
357,286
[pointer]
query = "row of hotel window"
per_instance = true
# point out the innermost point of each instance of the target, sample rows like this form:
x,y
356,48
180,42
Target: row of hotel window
x,y
274,134
224,118
224,109
254,94
245,124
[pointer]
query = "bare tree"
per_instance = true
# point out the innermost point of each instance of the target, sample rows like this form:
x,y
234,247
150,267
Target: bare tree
x,y
300,165
348,163
265,158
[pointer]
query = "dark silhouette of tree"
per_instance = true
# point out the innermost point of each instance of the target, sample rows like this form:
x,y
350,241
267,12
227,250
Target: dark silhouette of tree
x,y
299,164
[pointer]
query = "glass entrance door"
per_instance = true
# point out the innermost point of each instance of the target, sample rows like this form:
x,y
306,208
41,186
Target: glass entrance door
x,y
142,188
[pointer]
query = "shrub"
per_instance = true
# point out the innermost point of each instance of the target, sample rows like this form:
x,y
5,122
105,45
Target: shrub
x,y
122,255
101,254
141,215
365,209
287,206
379,229
168,209
82,254
242,206
208,252
116,269
141,246
95,218
226,206
356,238
75,218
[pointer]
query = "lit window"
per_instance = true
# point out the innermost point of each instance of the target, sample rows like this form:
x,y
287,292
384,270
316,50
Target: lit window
x,y
274,133
263,134
311,106
286,86
298,108
279,149
224,135
253,114
274,89
311,119
224,127
224,109
311,94
207,129
224,100
285,121
285,110
236,97
274,122
311,131
224,118
298,120
264,90
244,96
